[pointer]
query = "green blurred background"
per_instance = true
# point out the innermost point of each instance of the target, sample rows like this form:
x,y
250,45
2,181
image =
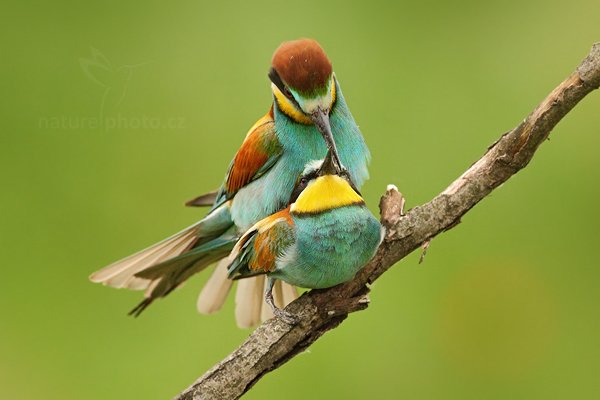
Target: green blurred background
x,y
505,306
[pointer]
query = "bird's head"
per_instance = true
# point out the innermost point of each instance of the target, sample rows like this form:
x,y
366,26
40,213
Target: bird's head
x,y
323,186
304,86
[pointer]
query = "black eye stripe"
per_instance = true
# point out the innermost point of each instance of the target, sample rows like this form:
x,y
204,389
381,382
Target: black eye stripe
x,y
301,184
276,79
311,175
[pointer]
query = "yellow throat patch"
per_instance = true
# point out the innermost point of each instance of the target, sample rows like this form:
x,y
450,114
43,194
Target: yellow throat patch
x,y
326,193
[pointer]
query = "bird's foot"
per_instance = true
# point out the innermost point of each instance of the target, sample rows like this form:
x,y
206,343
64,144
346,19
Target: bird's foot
x,y
283,315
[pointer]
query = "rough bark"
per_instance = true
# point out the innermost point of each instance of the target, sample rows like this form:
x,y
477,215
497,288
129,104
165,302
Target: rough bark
x,y
318,311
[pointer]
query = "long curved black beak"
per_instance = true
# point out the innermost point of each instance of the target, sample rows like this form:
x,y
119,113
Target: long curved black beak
x,y
321,121
329,167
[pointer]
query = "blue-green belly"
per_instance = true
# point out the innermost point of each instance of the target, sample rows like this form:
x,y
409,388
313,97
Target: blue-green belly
x,y
330,248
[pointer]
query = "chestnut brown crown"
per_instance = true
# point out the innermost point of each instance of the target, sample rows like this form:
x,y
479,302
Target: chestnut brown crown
x,y
303,66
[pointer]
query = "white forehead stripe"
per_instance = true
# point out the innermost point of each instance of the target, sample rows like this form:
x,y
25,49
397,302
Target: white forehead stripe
x,y
312,166
321,102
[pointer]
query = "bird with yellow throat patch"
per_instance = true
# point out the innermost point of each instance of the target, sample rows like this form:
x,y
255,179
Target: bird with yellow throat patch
x,y
320,240
309,115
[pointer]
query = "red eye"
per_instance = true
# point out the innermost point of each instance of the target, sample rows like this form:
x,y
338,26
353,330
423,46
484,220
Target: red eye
x,y
287,92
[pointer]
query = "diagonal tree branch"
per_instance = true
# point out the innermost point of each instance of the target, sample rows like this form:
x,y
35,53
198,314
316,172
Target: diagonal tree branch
x,y
318,311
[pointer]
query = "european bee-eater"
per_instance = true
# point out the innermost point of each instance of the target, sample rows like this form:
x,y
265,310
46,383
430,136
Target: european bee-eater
x,y
320,240
308,115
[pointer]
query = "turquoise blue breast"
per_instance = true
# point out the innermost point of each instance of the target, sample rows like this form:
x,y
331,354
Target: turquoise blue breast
x,y
301,143
331,247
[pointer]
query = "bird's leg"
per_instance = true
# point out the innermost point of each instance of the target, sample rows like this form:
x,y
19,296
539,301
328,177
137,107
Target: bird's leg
x,y
278,312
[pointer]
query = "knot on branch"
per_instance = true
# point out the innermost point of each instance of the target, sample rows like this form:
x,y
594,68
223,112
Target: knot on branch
x,y
391,206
